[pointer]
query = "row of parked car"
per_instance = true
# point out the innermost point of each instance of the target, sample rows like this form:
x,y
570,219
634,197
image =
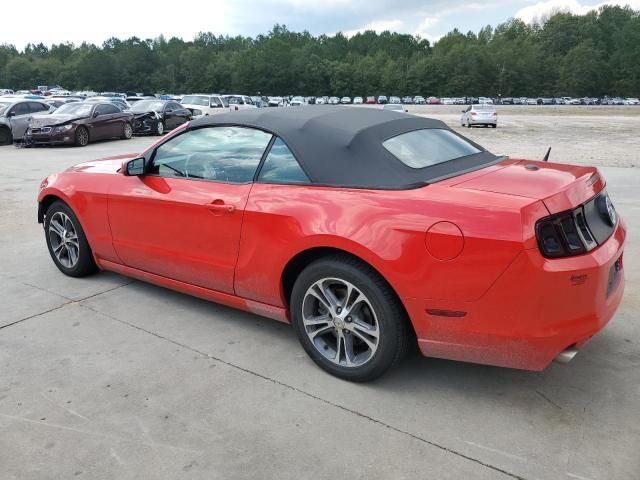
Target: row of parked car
x,y
73,119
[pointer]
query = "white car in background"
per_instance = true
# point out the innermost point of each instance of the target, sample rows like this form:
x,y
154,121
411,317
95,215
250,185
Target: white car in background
x,y
479,114
6,91
321,101
239,102
334,101
345,100
395,100
275,101
447,101
297,102
204,104
485,101
632,101
358,100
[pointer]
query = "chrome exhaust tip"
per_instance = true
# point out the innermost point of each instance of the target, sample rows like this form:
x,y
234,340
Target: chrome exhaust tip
x,y
567,355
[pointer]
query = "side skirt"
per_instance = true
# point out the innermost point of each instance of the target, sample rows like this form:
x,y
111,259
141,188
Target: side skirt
x,y
258,308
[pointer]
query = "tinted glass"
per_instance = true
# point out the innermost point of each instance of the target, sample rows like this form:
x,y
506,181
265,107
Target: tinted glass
x,y
106,109
281,166
225,154
216,102
21,109
426,147
35,107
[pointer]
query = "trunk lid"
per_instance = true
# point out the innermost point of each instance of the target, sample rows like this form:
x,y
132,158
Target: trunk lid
x,y
560,187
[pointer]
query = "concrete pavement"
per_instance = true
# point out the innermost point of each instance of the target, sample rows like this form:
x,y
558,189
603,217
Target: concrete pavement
x,y
109,378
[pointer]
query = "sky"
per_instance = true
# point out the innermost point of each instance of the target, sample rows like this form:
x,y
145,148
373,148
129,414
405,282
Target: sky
x,y
430,19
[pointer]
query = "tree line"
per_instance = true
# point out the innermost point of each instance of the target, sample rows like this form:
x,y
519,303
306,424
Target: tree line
x,y
596,54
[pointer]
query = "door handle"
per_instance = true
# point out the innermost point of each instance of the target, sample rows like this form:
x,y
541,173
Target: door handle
x,y
219,207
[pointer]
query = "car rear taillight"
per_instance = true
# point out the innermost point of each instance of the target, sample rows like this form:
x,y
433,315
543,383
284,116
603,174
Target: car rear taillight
x,y
564,234
473,114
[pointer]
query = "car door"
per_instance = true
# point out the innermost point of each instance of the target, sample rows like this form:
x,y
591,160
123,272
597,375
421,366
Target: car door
x,y
182,218
181,115
110,119
19,116
98,123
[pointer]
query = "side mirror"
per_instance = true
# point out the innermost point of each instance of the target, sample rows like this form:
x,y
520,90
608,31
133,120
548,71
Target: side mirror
x,y
168,111
133,168
11,114
96,114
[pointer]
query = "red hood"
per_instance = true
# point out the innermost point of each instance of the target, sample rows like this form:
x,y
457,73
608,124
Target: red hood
x,y
103,165
560,187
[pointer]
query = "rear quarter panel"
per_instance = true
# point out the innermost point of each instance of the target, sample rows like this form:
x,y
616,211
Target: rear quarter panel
x,y
387,230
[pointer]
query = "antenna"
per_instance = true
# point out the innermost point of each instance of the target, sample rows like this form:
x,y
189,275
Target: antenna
x,y
546,157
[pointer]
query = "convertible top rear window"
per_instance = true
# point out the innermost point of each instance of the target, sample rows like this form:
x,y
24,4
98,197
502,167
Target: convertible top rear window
x,y
428,147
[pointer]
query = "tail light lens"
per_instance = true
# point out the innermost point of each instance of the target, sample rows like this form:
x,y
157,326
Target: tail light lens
x,y
564,235
473,114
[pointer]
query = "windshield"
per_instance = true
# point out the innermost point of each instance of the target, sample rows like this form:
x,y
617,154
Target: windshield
x,y
3,107
236,101
147,106
427,147
74,109
196,100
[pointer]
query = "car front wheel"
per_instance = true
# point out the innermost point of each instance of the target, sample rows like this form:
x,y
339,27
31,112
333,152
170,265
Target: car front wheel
x,y
127,131
348,319
67,242
159,128
82,137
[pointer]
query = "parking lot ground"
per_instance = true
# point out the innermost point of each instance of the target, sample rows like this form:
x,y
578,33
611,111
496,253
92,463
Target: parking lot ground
x,y
109,378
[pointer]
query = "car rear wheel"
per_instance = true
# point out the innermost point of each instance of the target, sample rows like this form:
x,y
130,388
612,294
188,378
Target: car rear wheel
x,y
348,319
127,131
5,136
159,128
67,242
82,137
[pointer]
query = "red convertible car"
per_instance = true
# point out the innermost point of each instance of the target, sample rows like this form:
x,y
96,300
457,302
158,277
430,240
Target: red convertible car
x,y
366,229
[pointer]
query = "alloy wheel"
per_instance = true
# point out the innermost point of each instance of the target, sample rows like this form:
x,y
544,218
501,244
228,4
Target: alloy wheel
x,y
341,322
128,132
83,137
63,238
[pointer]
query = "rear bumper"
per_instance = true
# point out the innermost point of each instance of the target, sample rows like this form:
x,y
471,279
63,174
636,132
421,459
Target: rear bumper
x,y
483,121
534,311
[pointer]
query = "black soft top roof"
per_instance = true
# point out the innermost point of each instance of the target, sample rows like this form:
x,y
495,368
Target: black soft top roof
x,y
342,146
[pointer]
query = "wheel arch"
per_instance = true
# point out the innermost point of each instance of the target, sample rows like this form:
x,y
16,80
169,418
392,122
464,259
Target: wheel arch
x,y
8,130
302,259
46,201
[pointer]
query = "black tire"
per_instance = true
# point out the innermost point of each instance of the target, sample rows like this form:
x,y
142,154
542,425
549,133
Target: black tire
x,y
469,125
160,129
494,125
127,131
5,136
82,137
394,330
85,264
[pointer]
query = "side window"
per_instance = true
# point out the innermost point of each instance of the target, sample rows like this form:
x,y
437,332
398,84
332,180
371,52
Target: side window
x,y
108,109
173,106
35,107
21,108
281,166
224,154
216,102
100,109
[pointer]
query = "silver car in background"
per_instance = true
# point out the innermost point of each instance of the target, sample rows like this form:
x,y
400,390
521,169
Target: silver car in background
x,y
15,115
479,115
